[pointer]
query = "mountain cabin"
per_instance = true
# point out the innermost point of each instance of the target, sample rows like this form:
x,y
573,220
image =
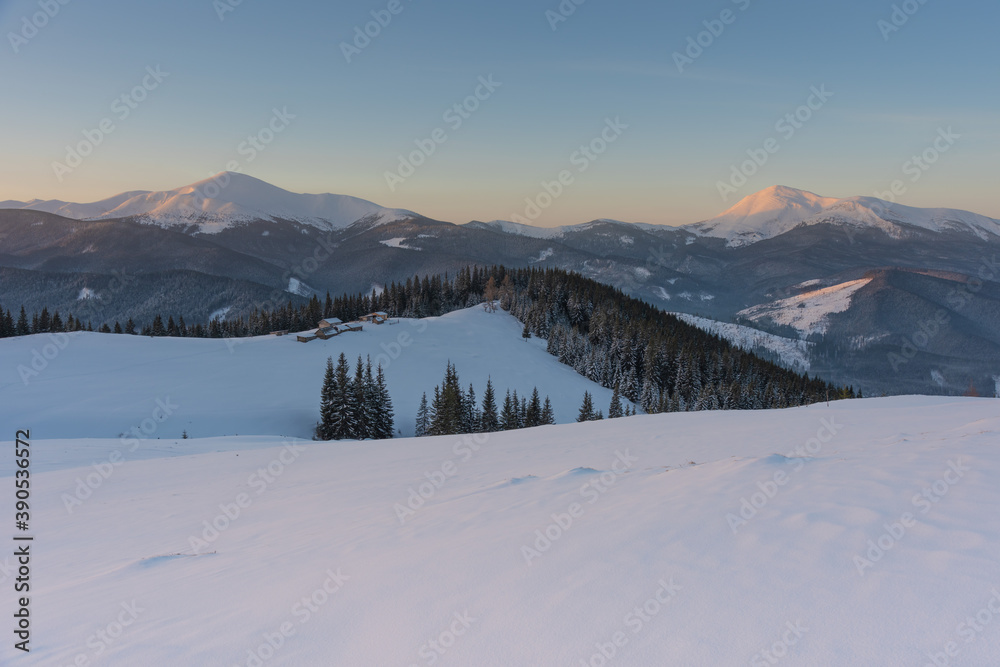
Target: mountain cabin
x,y
375,318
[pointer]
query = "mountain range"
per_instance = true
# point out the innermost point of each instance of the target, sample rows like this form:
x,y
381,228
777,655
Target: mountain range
x,y
890,298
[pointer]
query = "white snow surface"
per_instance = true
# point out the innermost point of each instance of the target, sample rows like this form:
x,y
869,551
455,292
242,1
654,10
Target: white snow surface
x,y
543,255
220,314
221,201
399,242
778,209
792,353
808,312
658,527
106,384
296,286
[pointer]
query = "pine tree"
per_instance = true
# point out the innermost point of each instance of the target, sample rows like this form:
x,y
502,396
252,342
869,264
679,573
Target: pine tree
x,y
508,416
22,324
615,410
423,419
324,430
488,419
548,416
341,404
449,405
361,403
470,412
384,418
130,327
526,332
587,409
533,412
118,327
434,425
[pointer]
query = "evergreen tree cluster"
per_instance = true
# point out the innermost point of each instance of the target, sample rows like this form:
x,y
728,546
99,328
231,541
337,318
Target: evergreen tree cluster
x,y
43,322
354,407
453,410
652,358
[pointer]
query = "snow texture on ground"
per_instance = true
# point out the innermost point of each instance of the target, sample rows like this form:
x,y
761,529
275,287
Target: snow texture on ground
x,y
859,533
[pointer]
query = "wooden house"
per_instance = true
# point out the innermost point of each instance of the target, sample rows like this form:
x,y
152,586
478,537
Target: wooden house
x,y
375,318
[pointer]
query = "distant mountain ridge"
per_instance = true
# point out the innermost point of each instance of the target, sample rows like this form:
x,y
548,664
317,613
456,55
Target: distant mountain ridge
x,y
232,198
779,209
217,202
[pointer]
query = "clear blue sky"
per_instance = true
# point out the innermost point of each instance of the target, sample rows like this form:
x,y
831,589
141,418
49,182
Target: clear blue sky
x,y
608,60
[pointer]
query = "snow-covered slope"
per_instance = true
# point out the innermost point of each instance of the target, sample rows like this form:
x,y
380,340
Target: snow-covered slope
x,y
860,533
102,385
808,311
220,201
779,209
792,353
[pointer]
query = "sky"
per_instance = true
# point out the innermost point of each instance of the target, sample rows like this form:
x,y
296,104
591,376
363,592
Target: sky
x,y
654,112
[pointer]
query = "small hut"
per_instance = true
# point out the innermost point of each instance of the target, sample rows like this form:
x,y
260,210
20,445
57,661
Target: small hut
x,y
378,317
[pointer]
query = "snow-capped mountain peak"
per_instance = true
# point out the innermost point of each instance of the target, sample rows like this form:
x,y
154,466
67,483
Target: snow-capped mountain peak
x,y
220,201
779,209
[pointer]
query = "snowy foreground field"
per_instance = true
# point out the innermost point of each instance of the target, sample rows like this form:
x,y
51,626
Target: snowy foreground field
x,y
859,533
